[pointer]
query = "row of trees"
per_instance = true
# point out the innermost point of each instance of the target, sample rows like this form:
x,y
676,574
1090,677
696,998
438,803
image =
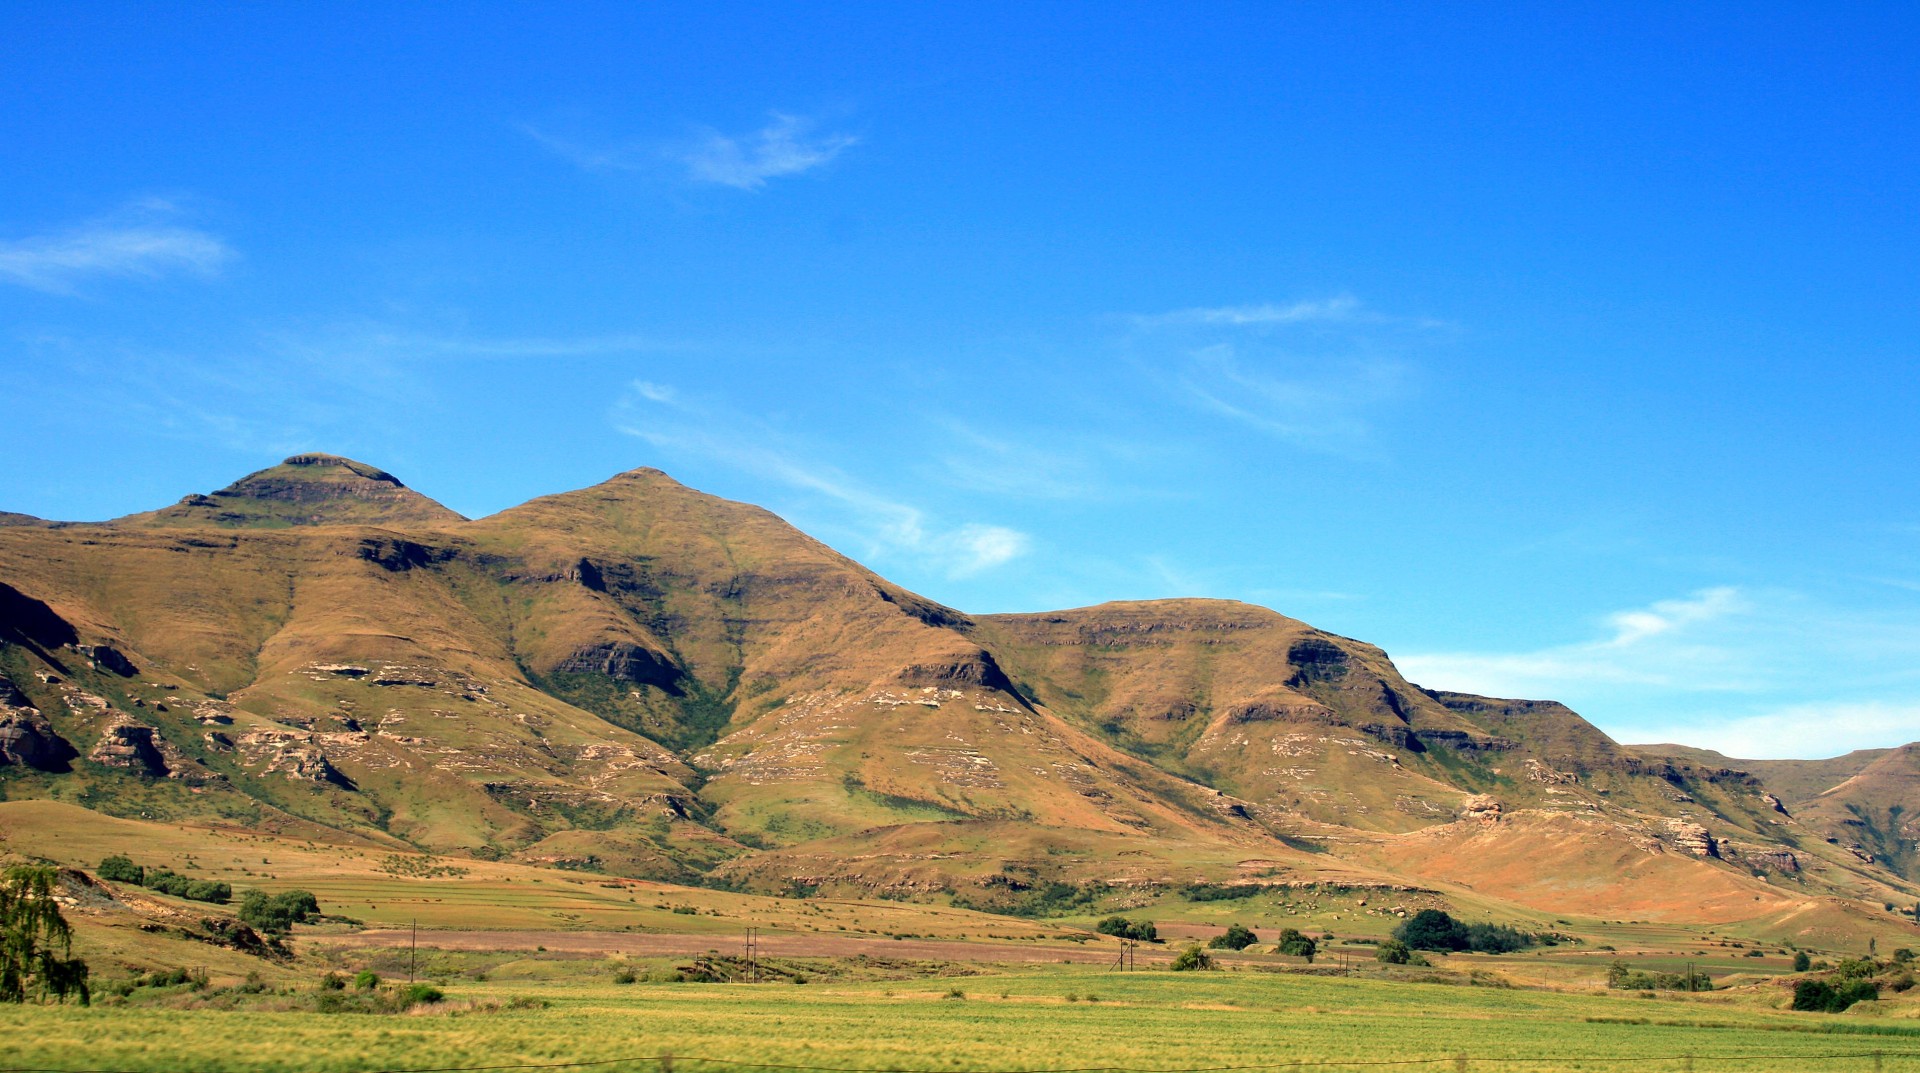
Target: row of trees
x,y
121,869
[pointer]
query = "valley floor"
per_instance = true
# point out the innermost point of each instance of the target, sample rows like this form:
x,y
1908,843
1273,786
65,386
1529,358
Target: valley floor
x,y
1054,1018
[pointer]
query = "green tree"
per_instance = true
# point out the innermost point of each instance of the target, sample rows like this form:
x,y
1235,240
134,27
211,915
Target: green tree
x,y
1801,962
1191,959
36,944
1393,952
1236,937
1294,944
1122,928
1432,929
119,869
277,913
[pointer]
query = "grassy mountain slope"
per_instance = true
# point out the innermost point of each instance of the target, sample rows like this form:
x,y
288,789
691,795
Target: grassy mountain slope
x,y
643,679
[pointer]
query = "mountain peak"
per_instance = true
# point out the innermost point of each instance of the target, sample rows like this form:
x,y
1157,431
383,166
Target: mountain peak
x,y
311,488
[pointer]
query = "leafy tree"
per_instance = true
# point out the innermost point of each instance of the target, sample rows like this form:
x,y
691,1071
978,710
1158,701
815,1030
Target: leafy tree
x,y
1191,959
1432,929
1801,962
36,943
119,869
1236,937
1294,944
279,912
1820,996
207,890
1498,939
1122,928
1393,952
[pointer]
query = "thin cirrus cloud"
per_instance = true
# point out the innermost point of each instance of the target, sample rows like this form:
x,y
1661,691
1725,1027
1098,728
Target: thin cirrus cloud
x,y
1710,669
1336,308
1317,373
1665,644
884,527
134,246
787,145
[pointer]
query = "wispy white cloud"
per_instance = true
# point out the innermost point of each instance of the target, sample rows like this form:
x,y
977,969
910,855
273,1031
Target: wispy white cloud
x,y
1339,307
139,243
1756,673
1656,645
1065,466
786,145
1317,373
886,528
1325,409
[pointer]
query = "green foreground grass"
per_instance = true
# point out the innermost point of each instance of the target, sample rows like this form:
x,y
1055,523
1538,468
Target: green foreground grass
x,y
1052,1019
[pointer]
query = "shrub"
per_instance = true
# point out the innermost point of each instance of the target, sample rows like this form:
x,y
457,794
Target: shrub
x,y
1294,944
1191,959
167,881
366,980
1801,962
333,981
119,869
1621,977
625,976
207,890
1217,892
1236,937
1432,929
1393,952
421,994
279,912
1498,939
1122,928
1820,996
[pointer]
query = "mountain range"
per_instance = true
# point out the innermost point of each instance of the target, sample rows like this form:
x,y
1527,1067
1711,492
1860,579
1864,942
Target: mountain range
x,y
644,680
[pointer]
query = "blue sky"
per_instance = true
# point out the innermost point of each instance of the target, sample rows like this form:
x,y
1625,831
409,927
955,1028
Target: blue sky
x,y
1563,350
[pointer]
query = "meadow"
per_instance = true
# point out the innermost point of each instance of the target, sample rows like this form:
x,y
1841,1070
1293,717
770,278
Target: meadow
x,y
1053,1018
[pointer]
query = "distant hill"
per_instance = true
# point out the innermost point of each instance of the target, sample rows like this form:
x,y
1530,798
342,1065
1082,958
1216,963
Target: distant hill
x,y
1867,801
641,679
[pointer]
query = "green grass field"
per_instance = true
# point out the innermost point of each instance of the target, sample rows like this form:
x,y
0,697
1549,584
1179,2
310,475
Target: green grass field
x,y
1051,1018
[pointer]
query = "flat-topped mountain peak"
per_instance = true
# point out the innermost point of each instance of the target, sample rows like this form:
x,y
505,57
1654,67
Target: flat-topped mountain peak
x,y
311,488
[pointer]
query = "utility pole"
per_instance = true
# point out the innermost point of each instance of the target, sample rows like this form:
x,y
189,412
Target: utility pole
x,y
753,955
413,950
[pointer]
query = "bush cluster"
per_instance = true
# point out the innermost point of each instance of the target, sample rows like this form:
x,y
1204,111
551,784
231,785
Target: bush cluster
x,y
1854,980
121,869
1822,996
1434,929
1219,892
278,913
1395,952
1122,928
1236,937
1192,959
1620,977
1294,944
